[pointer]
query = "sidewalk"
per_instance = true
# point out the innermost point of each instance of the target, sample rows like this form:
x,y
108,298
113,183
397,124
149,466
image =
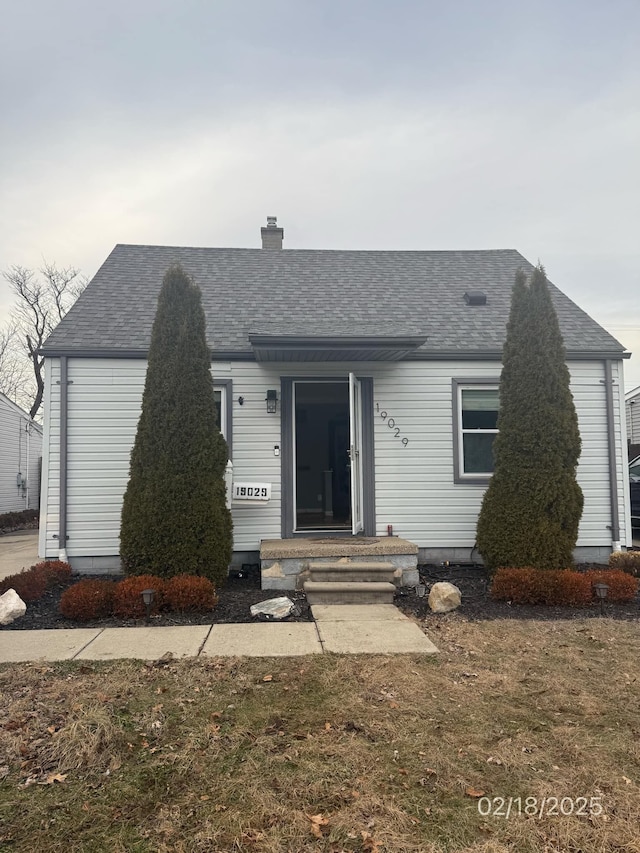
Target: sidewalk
x,y
18,551
339,629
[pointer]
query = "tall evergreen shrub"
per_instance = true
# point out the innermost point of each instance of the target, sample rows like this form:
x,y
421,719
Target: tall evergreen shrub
x,y
174,516
533,505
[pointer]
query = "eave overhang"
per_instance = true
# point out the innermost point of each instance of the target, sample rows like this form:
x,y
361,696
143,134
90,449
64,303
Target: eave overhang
x,y
334,347
345,353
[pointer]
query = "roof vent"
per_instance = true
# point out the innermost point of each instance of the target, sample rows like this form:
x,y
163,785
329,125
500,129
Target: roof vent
x,y
475,297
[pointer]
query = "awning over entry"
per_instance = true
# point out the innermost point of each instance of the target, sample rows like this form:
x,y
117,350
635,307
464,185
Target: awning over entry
x,y
278,347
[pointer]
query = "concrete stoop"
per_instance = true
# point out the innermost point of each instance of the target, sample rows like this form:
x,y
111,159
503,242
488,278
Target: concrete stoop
x,y
286,563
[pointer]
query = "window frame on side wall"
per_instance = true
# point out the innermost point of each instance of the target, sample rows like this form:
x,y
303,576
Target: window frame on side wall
x,y
225,387
458,386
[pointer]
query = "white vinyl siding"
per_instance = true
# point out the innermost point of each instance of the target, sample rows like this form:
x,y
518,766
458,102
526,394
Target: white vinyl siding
x,y
415,488
429,508
20,452
104,404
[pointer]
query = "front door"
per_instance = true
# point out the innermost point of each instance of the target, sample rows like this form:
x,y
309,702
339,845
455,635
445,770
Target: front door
x,y
327,456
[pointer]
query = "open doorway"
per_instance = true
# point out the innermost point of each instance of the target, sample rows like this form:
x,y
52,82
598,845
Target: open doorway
x,y
322,471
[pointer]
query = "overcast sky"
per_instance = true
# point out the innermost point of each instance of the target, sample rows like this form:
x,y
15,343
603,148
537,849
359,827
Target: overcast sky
x,y
361,124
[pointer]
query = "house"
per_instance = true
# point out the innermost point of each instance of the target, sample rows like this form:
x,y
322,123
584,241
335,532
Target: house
x,y
357,390
632,410
20,458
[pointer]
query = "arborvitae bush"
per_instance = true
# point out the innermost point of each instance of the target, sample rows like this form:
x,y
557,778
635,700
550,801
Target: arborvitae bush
x,y
55,572
532,507
175,518
186,593
88,600
127,599
30,585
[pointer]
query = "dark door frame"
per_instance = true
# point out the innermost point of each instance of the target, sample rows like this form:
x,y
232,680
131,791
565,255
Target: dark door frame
x,y
287,460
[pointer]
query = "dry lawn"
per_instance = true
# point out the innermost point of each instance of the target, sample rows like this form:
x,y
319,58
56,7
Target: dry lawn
x,y
362,753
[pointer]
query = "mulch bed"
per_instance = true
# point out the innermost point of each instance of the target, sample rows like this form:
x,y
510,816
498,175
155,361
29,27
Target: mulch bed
x,y
237,596
477,605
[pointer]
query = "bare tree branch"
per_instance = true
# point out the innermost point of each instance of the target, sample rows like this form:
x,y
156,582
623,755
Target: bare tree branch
x,y
41,302
14,373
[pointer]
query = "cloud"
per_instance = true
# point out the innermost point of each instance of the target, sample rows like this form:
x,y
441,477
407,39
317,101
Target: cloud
x,y
361,125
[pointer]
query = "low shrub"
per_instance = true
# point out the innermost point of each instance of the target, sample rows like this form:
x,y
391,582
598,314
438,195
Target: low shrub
x,y
541,586
128,601
561,587
88,599
55,572
626,561
622,586
16,520
189,593
29,584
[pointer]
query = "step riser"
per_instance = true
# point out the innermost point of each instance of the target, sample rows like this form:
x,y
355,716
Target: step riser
x,y
356,571
351,576
349,592
350,597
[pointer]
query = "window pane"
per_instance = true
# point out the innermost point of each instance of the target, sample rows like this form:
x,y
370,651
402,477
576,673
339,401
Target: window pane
x,y
479,408
480,399
217,395
477,450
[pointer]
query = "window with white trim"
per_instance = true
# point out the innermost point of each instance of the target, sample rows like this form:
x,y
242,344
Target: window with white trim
x,y
477,410
220,396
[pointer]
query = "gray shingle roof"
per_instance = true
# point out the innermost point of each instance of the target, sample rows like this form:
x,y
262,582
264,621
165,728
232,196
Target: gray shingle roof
x,y
315,292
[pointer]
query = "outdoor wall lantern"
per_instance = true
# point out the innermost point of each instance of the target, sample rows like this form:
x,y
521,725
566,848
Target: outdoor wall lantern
x,y
272,401
147,597
601,592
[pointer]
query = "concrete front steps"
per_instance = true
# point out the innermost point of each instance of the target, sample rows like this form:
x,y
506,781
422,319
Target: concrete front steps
x,y
350,583
285,563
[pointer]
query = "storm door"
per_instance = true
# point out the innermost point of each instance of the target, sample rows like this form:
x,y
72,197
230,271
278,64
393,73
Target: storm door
x,y
322,481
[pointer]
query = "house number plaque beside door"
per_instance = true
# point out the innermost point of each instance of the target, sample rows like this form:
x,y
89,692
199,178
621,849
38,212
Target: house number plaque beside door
x,y
251,491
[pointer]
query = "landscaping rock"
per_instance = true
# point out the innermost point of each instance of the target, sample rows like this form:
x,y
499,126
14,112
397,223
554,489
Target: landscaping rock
x,y
11,607
444,597
273,608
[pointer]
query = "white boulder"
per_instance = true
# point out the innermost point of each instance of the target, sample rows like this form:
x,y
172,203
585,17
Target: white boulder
x,y
273,608
11,607
444,597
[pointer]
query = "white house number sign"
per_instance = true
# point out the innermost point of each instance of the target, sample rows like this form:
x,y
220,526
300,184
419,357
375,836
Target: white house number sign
x,y
251,491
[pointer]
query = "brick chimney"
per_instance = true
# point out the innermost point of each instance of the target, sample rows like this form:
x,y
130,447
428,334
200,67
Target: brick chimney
x,y
272,236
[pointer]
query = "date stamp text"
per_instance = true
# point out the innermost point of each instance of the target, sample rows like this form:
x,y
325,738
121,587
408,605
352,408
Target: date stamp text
x,y
539,807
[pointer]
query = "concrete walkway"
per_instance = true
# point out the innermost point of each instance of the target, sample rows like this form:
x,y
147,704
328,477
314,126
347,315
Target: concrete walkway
x,y
18,551
341,629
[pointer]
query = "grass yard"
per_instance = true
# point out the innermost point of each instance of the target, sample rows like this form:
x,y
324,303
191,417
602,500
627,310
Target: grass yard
x,y
334,753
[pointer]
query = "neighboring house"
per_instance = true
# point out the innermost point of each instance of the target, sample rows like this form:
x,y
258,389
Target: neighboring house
x,y
632,409
358,392
20,458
